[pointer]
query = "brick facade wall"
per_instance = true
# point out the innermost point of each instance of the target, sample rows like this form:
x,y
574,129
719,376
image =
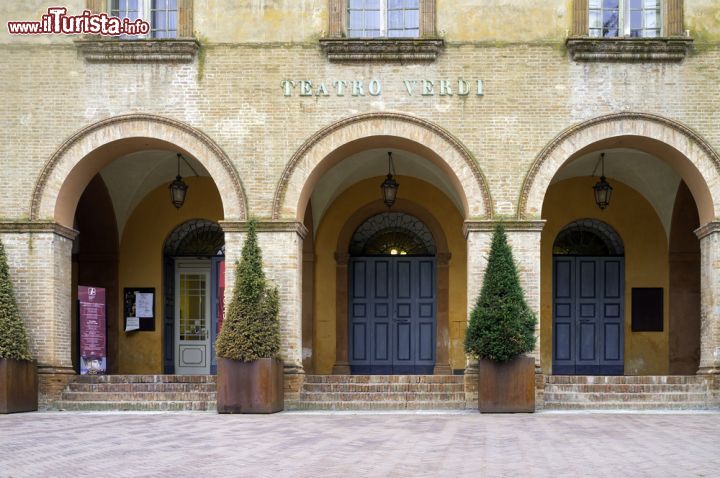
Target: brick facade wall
x,y
232,92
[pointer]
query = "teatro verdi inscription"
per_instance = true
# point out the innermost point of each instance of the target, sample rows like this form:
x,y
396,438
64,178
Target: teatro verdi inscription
x,y
374,87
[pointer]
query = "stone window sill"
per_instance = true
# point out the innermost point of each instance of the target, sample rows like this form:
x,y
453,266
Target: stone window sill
x,y
169,50
382,49
663,49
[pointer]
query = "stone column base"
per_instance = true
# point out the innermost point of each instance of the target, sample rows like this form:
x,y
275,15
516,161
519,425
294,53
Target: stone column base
x,y
294,377
51,383
708,371
539,389
471,386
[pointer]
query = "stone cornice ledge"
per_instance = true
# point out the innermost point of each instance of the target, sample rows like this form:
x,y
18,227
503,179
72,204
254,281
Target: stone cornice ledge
x,y
661,49
266,226
170,50
707,229
25,227
511,225
382,49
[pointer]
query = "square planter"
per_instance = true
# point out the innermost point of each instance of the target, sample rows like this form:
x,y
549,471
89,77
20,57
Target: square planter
x,y
250,387
18,386
507,387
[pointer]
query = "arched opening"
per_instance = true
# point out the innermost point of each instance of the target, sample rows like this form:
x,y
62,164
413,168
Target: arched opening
x,y
194,288
333,256
110,181
331,184
392,296
653,250
588,300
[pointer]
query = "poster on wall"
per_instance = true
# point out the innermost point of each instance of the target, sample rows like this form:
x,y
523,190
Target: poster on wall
x,y
92,330
220,295
139,309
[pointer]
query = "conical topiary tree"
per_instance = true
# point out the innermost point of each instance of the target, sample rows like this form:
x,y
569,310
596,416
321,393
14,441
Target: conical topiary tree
x,y
251,328
13,338
502,326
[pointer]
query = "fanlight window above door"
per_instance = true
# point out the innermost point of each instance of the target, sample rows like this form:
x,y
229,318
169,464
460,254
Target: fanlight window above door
x,y
392,233
196,238
588,237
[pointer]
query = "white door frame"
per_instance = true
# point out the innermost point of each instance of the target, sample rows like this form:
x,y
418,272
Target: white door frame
x,y
198,350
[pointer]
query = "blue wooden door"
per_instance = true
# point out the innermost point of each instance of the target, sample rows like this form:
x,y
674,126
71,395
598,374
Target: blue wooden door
x,y
588,318
392,315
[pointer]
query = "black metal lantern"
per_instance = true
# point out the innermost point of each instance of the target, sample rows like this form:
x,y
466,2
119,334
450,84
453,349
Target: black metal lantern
x,y
602,189
389,187
178,188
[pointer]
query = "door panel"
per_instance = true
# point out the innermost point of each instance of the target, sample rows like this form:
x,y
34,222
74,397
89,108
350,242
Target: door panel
x,y
169,317
564,315
192,317
398,315
612,321
588,317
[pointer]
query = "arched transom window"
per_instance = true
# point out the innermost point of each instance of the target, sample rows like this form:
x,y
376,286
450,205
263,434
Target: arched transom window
x,y
392,233
588,237
196,238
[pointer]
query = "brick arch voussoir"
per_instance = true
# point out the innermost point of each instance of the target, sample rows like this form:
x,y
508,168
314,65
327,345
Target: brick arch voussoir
x,y
62,161
369,121
674,133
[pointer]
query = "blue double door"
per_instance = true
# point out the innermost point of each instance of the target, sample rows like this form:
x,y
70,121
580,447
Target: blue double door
x,y
588,315
392,302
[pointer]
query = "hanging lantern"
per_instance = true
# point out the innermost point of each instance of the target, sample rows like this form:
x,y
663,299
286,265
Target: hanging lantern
x,y
178,188
602,189
389,187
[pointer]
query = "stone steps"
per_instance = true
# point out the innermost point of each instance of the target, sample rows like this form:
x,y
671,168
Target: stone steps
x,y
145,379
674,392
165,406
629,388
381,392
381,396
385,379
625,380
384,387
140,392
137,396
141,387
360,405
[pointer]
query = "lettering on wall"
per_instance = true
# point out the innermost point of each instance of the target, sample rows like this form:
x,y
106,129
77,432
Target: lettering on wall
x,y
374,87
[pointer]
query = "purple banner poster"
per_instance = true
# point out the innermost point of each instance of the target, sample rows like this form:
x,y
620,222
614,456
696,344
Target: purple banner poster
x,y
93,354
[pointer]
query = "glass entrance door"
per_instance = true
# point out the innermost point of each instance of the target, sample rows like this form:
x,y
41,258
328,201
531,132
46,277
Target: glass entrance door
x,y
192,317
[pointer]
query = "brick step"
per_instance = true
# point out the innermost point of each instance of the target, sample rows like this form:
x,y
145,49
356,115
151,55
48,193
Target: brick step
x,y
636,379
381,397
570,397
145,379
141,387
136,406
351,405
625,388
384,387
138,396
628,406
354,379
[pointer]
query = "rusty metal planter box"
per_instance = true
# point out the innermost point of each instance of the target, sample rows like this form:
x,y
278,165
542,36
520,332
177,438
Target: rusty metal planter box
x,y
507,387
250,387
18,386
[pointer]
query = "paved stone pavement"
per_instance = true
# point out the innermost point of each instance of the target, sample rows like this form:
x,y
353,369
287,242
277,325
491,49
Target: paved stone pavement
x,y
345,445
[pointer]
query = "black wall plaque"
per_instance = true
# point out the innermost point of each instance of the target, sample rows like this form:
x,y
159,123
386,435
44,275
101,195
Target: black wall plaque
x,y
647,309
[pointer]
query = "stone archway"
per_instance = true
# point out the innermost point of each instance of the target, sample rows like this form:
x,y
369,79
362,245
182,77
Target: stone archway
x,y
48,235
688,153
330,145
442,257
70,169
